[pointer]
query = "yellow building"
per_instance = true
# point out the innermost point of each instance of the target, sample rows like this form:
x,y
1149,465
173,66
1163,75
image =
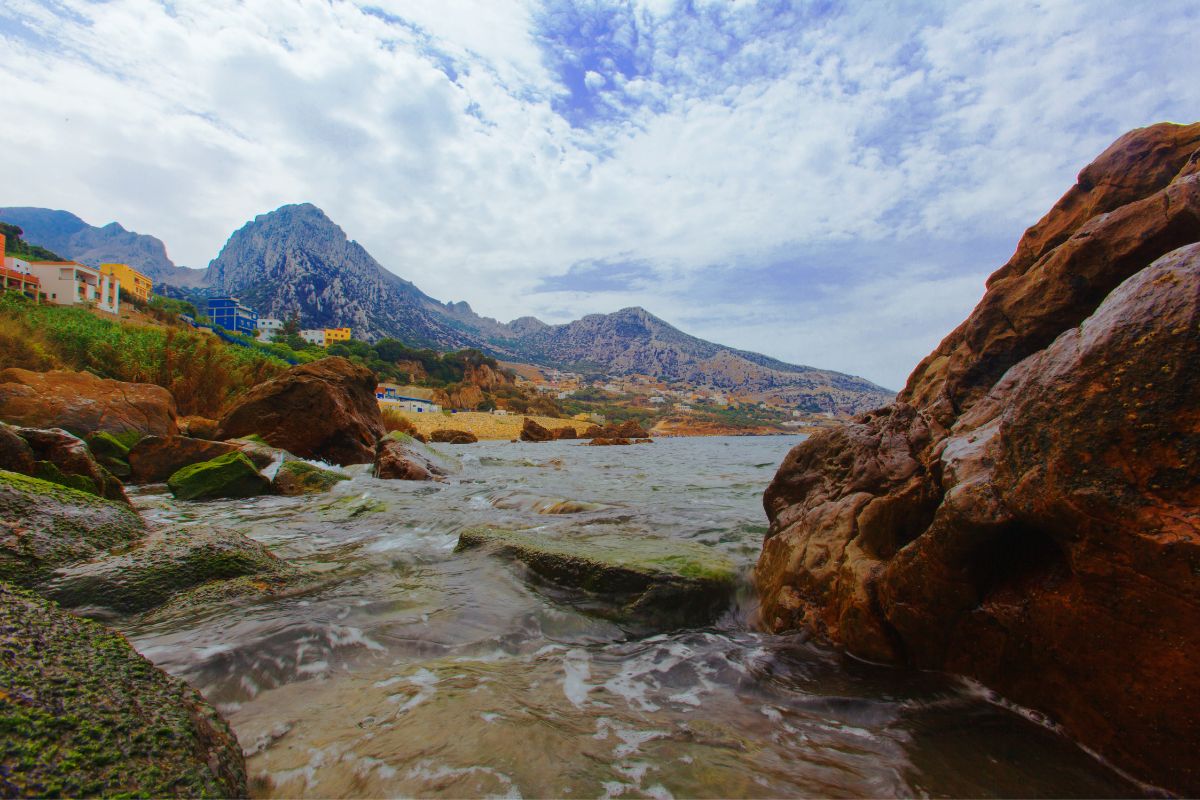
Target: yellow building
x,y
336,335
131,280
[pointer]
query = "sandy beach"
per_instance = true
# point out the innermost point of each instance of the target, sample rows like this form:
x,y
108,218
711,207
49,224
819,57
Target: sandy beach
x,y
483,424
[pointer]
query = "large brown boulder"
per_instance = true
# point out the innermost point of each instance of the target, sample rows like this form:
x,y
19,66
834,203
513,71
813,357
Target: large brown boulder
x,y
81,403
395,459
533,432
324,410
565,432
1028,511
629,429
156,458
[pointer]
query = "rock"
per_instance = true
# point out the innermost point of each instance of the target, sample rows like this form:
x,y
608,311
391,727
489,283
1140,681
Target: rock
x,y
648,581
629,429
261,454
65,459
156,458
325,410
15,454
199,427
162,565
565,432
44,525
533,432
81,403
85,716
230,475
601,441
465,397
110,452
1026,512
300,477
395,459
448,436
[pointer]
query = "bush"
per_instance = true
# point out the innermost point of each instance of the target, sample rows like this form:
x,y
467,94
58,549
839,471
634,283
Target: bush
x,y
394,420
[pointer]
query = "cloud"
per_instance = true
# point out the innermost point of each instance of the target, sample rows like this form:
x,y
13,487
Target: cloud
x,y
521,155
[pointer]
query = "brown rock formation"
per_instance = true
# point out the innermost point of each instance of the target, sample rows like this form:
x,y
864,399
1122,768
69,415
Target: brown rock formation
x,y
1028,511
565,432
533,432
463,397
81,403
629,429
199,427
450,436
65,459
394,460
156,458
325,410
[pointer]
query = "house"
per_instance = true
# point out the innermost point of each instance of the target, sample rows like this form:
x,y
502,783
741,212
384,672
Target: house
x,y
657,400
229,313
314,336
269,328
132,281
15,276
69,283
406,398
336,335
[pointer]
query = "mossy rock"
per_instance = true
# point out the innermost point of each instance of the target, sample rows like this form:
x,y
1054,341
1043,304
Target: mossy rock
x,y
438,462
110,452
164,564
300,477
83,715
230,475
49,471
48,525
650,582
260,452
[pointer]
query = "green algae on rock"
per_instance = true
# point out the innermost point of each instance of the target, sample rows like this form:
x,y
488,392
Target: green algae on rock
x,y
300,477
164,564
44,525
655,582
230,475
110,452
83,715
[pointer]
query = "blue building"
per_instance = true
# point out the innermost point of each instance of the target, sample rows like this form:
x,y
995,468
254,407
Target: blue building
x,y
230,314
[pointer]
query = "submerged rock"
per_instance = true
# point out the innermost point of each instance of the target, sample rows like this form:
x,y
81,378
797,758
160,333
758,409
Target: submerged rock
x,y
162,565
325,410
531,431
81,403
300,477
44,525
230,475
629,429
449,436
84,715
399,456
647,581
1026,512
154,459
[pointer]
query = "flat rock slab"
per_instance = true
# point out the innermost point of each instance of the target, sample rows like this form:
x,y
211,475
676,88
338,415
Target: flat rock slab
x,y
657,583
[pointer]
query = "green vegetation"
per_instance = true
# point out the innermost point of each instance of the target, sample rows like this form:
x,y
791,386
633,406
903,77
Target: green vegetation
x,y
392,360
17,247
201,372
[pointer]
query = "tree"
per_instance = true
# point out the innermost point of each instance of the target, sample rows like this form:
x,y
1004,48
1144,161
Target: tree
x,y
291,325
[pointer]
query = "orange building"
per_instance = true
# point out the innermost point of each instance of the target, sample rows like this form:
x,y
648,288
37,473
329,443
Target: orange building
x,y
336,335
16,277
131,280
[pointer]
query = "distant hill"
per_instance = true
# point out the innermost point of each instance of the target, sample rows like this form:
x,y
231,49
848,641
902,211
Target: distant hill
x,y
71,237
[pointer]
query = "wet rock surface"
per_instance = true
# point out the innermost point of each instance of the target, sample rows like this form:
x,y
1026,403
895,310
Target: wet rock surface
x,y
154,459
65,459
397,458
1027,512
325,410
300,477
230,475
84,715
81,403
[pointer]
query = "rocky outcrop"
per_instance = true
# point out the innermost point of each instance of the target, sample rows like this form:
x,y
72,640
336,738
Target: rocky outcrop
x,y
449,436
66,460
647,581
81,403
531,431
156,458
565,432
86,716
299,477
629,429
230,475
199,427
396,459
465,397
325,410
1027,512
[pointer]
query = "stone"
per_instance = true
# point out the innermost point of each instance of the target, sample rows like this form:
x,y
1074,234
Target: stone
x,y
395,459
325,410
1026,512
154,459
647,581
261,454
601,441
565,432
81,403
165,563
533,432
85,716
449,436
230,475
110,452
300,477
199,427
44,526
66,459
15,453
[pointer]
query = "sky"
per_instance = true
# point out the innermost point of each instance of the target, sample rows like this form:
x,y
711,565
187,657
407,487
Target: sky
x,y
826,183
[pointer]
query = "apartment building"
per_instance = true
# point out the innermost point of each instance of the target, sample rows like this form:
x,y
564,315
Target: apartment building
x,y
132,281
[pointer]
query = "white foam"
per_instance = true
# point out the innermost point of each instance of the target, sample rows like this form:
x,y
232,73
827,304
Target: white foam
x,y
577,670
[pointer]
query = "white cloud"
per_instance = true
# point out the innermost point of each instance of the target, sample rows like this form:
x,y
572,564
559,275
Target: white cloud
x,y
437,135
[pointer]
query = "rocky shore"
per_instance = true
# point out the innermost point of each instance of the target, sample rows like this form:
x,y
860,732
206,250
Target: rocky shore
x,y
1026,512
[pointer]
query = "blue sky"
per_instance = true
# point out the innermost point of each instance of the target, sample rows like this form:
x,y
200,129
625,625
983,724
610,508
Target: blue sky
x,y
826,183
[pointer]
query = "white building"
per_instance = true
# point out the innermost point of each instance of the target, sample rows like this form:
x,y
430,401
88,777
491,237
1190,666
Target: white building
x,y
269,328
657,400
314,336
68,283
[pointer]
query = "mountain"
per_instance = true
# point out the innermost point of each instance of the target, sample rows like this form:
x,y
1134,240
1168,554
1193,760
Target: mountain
x,y
70,236
296,260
